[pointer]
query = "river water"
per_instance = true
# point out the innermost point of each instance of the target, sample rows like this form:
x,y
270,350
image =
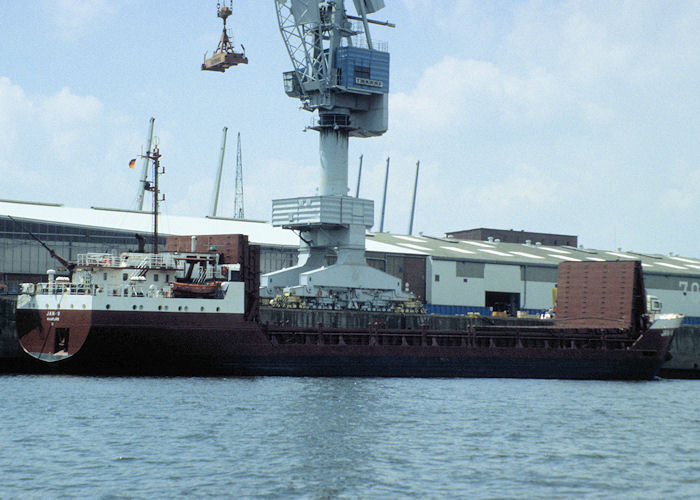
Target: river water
x,y
87,437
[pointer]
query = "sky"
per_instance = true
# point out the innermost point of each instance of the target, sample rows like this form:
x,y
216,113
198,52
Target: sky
x,y
571,117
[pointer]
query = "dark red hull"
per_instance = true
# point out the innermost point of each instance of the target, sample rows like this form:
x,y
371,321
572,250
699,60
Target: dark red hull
x,y
105,342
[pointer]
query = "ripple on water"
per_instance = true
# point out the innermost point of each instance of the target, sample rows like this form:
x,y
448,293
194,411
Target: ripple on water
x,y
347,438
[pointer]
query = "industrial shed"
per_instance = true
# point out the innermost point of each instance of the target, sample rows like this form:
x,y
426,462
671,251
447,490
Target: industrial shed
x,y
450,275
467,276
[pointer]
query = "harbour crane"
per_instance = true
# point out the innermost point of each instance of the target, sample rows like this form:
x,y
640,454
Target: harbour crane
x,y
341,74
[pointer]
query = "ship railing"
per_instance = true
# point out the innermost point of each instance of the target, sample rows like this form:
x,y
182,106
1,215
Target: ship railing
x,y
528,337
143,261
154,261
59,288
131,290
97,259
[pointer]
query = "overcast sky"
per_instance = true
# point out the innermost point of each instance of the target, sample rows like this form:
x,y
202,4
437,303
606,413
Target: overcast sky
x,y
574,117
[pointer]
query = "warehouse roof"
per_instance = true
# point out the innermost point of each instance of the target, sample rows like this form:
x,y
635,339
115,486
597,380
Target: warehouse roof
x,y
263,233
532,254
259,232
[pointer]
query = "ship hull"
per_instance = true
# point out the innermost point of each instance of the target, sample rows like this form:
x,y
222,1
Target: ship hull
x,y
151,343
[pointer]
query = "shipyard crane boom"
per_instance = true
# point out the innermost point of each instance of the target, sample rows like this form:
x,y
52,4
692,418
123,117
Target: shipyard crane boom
x,y
342,74
219,171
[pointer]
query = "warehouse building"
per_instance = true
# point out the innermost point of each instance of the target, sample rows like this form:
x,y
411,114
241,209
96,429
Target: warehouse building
x,y
466,275
450,275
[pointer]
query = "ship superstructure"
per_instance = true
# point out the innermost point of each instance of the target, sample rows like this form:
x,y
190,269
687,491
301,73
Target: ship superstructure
x,y
137,284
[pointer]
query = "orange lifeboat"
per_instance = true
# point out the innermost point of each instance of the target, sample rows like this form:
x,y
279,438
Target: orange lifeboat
x,y
194,290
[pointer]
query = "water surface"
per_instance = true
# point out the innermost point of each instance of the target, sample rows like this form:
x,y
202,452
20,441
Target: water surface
x,y
270,437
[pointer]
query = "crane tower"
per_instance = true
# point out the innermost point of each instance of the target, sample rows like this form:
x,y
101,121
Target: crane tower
x,y
339,73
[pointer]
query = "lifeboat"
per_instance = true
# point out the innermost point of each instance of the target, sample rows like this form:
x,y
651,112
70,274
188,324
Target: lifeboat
x,y
194,290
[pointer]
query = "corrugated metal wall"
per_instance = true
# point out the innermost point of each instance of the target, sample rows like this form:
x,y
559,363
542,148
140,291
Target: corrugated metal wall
x,y
600,294
409,269
22,258
230,246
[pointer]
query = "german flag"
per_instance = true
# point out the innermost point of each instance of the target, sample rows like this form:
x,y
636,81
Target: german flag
x,y
132,163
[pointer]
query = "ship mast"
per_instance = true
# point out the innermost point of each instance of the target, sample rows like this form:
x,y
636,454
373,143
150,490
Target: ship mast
x,y
155,158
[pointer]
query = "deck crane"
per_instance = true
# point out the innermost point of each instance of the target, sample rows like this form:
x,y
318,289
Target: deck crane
x,y
340,73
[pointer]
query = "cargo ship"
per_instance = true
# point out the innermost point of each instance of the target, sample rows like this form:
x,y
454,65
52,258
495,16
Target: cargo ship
x,y
190,313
